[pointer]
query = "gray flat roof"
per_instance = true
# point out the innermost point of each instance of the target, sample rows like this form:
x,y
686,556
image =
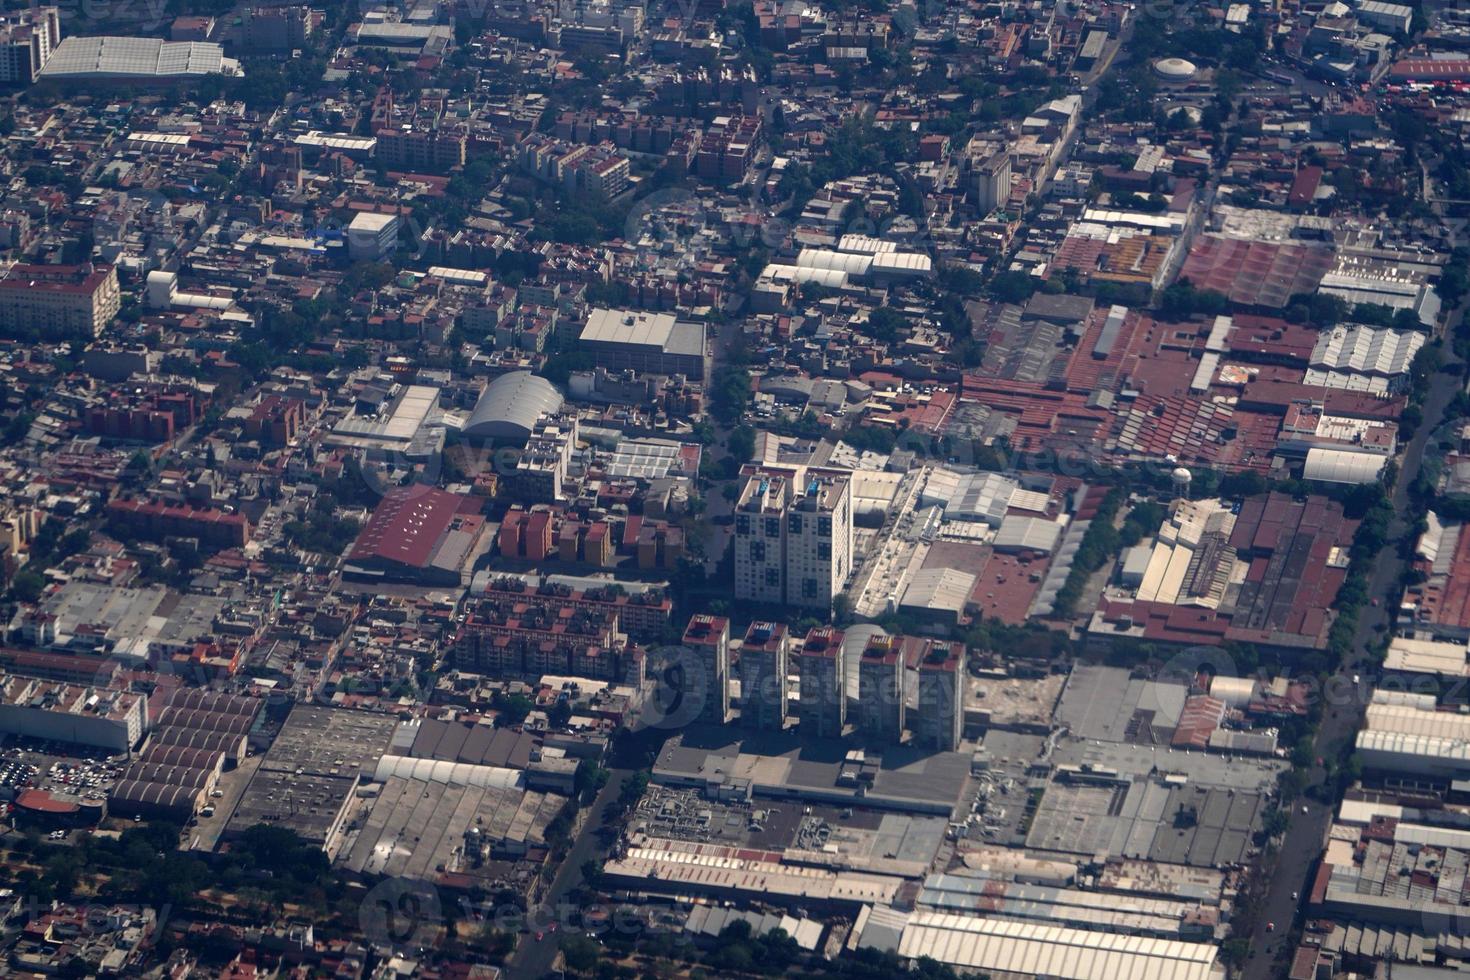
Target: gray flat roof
x,y
905,779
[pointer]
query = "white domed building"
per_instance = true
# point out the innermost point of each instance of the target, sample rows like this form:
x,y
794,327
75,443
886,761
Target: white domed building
x,y
1175,69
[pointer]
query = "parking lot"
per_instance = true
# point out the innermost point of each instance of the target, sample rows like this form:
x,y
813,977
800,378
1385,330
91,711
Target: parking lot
x,y
59,768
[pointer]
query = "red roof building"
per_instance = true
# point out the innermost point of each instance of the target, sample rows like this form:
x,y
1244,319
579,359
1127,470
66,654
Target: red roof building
x,y
418,533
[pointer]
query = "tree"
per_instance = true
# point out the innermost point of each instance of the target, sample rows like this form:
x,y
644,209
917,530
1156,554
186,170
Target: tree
x,y
1012,287
742,443
513,710
589,779
580,953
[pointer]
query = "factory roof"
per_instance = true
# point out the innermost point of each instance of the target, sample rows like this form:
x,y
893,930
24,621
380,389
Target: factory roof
x,y
140,57
408,525
1024,948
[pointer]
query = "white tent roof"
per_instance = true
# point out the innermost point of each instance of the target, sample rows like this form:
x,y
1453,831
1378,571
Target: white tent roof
x,y
1342,466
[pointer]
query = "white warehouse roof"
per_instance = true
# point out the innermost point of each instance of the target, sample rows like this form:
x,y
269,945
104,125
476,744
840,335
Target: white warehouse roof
x,y
1366,349
1342,466
510,405
442,771
821,258
1030,949
134,57
832,278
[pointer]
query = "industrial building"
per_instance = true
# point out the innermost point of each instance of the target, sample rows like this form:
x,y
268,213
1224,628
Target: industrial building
x,y
509,406
418,534
430,817
740,765
1005,947
400,425
132,624
659,864
308,778
1408,736
70,713
1265,574
649,343
1438,604
140,60
994,896
172,778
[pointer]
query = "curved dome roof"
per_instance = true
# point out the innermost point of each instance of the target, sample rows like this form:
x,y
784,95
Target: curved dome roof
x,y
1175,67
510,405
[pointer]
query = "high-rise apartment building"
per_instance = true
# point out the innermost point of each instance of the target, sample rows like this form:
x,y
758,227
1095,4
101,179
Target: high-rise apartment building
x,y
27,38
880,705
708,637
941,714
993,187
763,672
793,535
823,693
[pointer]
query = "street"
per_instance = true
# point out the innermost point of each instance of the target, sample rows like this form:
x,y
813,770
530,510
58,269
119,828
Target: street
x,y
532,958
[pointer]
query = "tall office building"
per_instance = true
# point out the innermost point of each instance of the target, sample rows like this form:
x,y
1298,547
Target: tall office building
x,y
823,698
763,671
941,714
793,535
709,638
880,707
27,38
993,187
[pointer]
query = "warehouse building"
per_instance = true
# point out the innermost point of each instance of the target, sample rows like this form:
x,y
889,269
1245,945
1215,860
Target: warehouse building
x,y
509,406
429,816
665,866
1407,735
649,343
1005,948
418,534
307,779
195,734
141,60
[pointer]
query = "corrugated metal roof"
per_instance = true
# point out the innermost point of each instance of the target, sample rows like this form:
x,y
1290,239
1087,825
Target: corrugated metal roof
x,y
1025,948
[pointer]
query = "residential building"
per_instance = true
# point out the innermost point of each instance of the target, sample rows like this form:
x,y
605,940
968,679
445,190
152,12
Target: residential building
x,y
708,638
793,536
880,704
27,38
822,670
275,28
939,722
57,300
763,673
